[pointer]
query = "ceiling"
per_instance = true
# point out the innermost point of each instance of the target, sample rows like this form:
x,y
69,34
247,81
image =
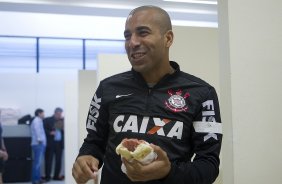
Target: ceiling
x,y
195,11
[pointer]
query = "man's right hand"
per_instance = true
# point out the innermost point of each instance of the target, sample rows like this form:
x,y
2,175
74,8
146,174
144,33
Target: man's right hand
x,y
85,168
53,132
4,155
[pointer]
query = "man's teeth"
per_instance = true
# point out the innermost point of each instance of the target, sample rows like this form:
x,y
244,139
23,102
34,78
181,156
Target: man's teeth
x,y
137,55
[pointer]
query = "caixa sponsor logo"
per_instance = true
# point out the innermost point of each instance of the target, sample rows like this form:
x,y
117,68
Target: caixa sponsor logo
x,y
131,124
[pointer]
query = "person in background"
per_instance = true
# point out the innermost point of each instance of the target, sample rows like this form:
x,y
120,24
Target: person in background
x,y
3,152
54,144
38,144
59,147
176,112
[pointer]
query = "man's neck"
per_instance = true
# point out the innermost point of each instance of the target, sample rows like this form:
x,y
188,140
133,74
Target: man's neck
x,y
155,77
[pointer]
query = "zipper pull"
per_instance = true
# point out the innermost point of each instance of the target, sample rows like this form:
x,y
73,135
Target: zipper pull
x,y
149,91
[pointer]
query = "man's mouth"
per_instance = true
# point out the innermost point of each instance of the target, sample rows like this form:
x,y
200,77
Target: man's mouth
x,y
137,55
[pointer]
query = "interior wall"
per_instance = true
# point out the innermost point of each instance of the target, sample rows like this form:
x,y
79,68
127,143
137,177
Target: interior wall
x,y
254,32
225,96
60,25
196,51
30,91
86,88
72,143
110,64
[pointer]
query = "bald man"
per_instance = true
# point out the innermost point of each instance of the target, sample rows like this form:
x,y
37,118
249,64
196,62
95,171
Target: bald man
x,y
174,111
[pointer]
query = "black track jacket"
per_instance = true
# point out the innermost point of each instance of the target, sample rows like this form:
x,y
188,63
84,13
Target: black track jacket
x,y
180,114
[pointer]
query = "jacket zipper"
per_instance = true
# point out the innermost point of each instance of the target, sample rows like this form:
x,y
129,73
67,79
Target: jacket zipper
x,y
148,98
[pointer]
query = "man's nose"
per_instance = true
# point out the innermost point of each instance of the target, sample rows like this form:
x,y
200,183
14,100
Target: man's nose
x,y
134,41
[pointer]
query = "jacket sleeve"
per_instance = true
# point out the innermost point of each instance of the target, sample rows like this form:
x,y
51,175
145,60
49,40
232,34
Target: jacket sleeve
x,y
97,128
206,143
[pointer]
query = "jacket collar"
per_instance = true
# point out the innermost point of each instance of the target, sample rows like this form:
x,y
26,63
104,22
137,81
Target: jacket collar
x,y
139,78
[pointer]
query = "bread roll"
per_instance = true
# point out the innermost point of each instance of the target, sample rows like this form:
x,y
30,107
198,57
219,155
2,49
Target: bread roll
x,y
134,149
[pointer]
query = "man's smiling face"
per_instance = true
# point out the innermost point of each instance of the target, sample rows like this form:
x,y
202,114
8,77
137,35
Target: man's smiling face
x,y
145,44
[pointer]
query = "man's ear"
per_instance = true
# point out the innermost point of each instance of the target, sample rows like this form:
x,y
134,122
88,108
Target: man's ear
x,y
169,38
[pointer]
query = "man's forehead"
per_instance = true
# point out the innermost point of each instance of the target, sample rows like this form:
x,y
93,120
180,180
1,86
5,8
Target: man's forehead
x,y
139,20
142,15
137,28
139,24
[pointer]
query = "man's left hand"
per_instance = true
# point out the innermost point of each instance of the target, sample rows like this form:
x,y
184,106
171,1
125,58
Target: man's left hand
x,y
156,170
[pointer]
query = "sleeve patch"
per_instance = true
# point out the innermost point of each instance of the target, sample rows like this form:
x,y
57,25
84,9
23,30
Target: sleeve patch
x,y
207,127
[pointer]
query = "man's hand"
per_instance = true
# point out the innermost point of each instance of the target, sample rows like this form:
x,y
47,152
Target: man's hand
x,y
85,168
156,170
53,132
4,155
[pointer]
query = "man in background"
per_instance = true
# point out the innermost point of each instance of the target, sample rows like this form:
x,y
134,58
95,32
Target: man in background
x,y
38,144
54,133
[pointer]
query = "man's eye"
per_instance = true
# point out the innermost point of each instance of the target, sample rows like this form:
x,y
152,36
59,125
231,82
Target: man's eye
x,y
143,33
127,36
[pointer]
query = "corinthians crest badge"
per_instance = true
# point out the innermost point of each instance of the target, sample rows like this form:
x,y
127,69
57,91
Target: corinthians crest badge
x,y
176,101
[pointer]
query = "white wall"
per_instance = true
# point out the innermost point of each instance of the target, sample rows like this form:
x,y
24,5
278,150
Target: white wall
x,y
196,51
110,64
225,96
87,84
59,25
252,36
71,129
30,91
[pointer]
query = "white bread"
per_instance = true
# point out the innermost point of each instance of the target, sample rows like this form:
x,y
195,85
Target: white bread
x,y
134,149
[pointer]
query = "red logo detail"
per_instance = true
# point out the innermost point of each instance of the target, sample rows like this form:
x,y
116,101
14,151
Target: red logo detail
x,y
176,101
156,128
